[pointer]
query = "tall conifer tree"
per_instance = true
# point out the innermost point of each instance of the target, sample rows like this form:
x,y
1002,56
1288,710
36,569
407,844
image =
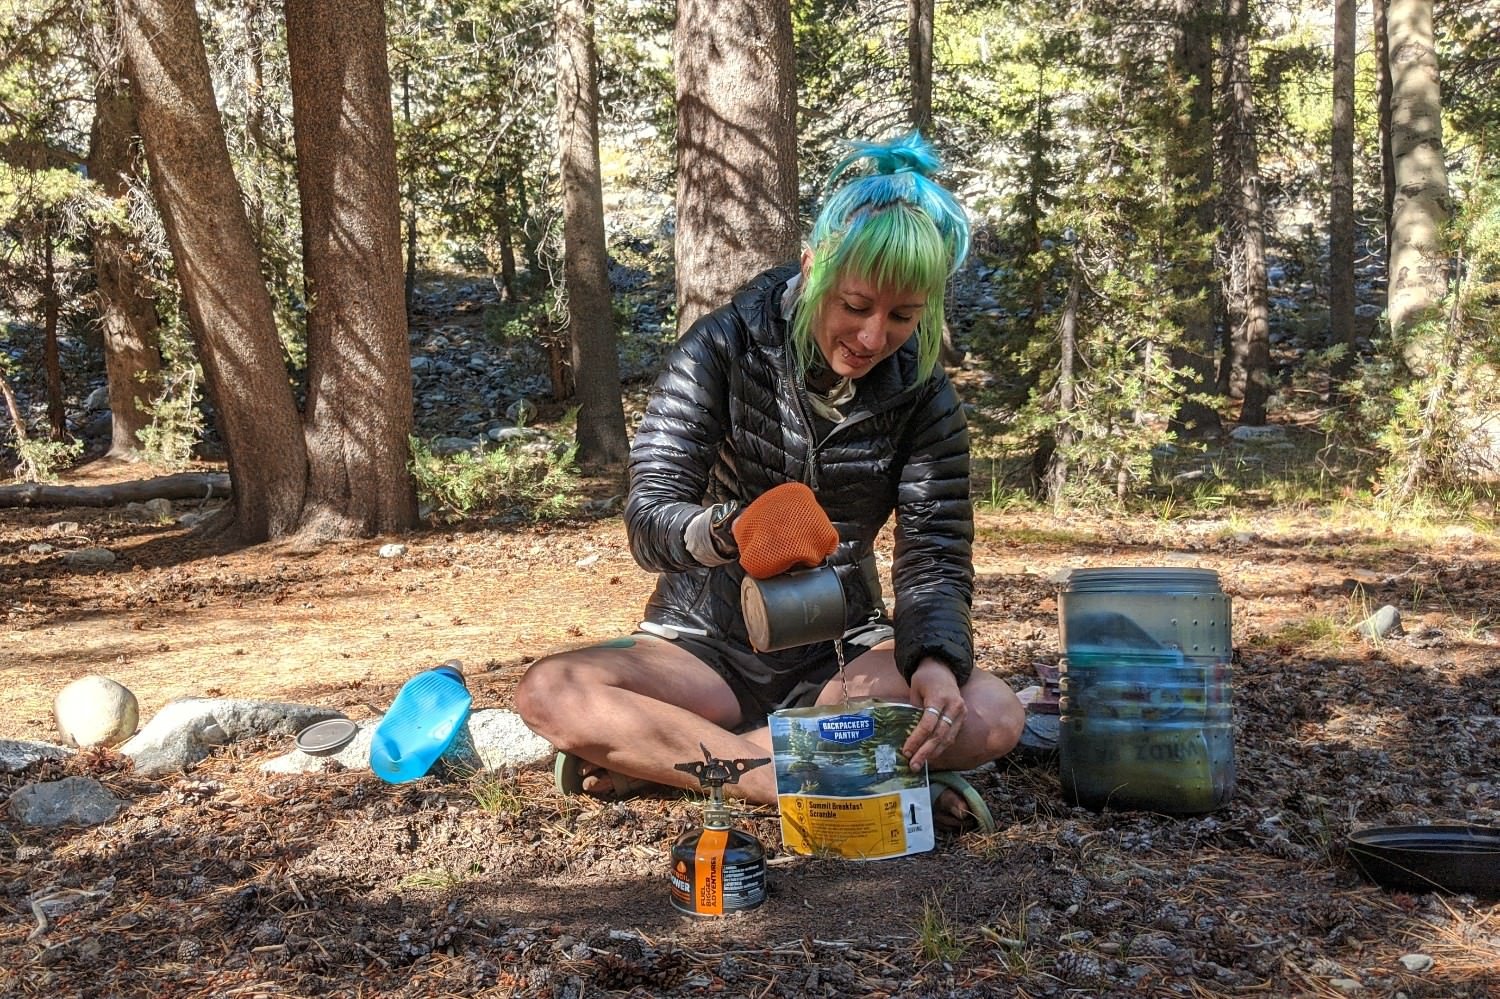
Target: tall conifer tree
x,y
1341,189
736,148
1247,371
1419,262
591,328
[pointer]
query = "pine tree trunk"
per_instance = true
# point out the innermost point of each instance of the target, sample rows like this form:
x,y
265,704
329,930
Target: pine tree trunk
x,y
1038,181
1056,478
127,316
228,307
57,418
505,236
919,22
919,18
1192,172
17,423
359,401
559,360
595,352
1378,18
1341,191
1419,263
736,148
1249,323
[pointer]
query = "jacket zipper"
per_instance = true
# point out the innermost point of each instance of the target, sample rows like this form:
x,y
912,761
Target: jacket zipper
x,y
808,428
849,421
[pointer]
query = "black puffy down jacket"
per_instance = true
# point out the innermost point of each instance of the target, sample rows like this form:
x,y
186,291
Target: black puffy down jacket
x,y
729,418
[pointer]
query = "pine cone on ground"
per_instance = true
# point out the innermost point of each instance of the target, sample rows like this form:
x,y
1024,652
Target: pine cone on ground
x,y
1078,968
1065,889
653,970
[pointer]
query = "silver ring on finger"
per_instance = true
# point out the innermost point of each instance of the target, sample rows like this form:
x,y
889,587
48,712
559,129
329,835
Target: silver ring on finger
x,y
945,719
934,710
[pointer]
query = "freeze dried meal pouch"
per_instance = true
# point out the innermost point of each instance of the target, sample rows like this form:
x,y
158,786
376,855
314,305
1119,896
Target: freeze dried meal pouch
x,y
843,785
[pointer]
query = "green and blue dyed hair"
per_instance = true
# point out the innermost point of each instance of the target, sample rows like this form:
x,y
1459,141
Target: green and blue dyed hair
x,y
892,225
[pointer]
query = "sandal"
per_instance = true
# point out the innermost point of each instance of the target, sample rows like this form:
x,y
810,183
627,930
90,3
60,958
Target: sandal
x,y
939,781
568,774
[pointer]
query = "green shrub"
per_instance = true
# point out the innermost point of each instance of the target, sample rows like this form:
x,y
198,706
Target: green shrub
x,y
516,476
176,422
510,323
40,459
1435,431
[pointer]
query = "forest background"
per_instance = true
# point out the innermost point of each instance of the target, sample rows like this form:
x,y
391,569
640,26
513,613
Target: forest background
x,y
406,273
1187,215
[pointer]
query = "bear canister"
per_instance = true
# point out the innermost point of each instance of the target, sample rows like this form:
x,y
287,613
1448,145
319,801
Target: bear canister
x,y
1145,708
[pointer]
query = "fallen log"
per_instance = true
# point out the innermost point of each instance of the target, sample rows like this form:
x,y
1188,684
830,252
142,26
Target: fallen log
x,y
182,486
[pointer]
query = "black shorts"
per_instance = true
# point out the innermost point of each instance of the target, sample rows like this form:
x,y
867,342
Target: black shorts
x,y
792,678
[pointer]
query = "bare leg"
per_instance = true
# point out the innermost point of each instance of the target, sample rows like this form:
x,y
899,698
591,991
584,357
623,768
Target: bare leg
x,y
640,710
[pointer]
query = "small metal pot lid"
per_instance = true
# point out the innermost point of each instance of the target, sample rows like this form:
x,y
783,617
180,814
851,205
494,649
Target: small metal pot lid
x,y
326,737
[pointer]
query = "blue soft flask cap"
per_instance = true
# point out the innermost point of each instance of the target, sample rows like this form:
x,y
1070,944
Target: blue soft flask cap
x,y
427,715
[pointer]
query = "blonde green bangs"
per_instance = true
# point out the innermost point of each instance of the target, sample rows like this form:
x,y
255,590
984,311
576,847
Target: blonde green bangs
x,y
893,227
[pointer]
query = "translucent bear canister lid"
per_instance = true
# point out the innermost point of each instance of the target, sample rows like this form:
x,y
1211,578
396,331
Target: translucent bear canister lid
x,y
1142,579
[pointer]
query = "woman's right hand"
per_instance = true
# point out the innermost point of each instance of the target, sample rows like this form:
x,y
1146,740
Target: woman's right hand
x,y
784,528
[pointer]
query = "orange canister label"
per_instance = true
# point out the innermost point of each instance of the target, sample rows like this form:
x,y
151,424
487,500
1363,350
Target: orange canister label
x,y
708,872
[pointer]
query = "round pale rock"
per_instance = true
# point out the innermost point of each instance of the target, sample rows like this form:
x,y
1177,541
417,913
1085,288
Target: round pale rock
x,y
1382,624
95,711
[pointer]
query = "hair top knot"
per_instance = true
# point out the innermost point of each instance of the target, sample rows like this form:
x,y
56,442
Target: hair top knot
x,y
874,176
907,154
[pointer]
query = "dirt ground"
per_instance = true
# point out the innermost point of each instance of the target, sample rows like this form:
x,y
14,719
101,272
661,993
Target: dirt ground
x,y
230,882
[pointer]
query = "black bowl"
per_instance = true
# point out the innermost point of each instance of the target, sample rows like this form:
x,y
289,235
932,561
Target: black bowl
x,y
1455,858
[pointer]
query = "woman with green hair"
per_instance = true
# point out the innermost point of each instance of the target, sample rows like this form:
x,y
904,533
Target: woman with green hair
x,y
788,427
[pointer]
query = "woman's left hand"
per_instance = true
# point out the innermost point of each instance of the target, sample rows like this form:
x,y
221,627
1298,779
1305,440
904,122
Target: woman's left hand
x,y
935,690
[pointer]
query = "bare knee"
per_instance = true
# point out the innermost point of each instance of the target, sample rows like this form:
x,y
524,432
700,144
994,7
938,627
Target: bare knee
x,y
993,721
547,696
1008,721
